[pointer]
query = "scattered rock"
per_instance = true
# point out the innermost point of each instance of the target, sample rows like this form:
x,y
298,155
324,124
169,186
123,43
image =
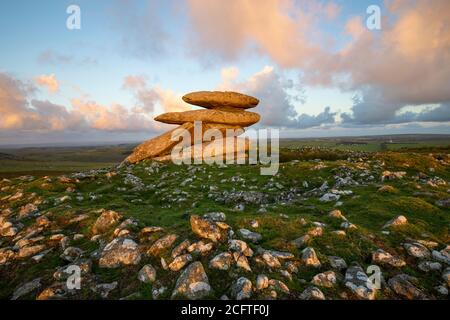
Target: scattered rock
x,y
417,250
358,282
403,285
104,289
262,282
119,252
162,244
242,289
107,220
215,216
179,262
337,263
428,266
26,288
181,248
249,235
222,261
396,222
193,283
382,257
147,274
312,293
206,229
309,258
326,279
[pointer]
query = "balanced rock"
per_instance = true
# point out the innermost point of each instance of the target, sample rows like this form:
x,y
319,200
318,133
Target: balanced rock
x,y
238,118
220,100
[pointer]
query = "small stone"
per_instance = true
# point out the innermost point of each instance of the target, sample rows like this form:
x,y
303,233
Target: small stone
x,y
179,249
206,229
162,244
222,261
242,289
309,258
312,293
179,262
193,283
249,235
396,222
382,257
147,274
215,216
428,266
402,285
358,282
326,279
278,286
26,288
241,261
337,214
417,250
104,289
107,220
262,282
119,252
270,260
337,263
240,247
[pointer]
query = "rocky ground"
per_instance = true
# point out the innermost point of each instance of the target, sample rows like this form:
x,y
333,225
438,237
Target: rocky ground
x,y
160,231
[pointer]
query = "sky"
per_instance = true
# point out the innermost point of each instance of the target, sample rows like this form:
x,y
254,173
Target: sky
x,y
317,67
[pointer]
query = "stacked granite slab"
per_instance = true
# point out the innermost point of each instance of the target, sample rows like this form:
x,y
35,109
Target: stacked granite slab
x,y
225,111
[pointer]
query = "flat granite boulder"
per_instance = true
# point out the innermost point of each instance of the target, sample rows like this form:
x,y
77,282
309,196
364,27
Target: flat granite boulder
x,y
220,99
162,145
238,118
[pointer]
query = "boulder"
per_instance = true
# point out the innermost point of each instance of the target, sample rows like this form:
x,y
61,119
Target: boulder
x,y
262,282
249,235
396,222
382,257
147,274
162,244
241,289
417,250
239,118
403,285
222,261
326,279
193,283
179,262
220,100
107,220
120,252
309,257
358,282
312,293
206,229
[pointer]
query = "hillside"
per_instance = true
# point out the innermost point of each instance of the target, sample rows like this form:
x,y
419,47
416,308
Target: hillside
x,y
160,231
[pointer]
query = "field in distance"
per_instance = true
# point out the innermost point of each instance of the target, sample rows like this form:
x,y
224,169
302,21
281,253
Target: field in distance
x,y
40,161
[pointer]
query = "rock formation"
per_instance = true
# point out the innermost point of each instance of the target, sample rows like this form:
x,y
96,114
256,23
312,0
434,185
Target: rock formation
x,y
225,113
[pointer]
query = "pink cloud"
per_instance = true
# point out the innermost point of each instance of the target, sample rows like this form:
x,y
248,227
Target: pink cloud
x,y
48,81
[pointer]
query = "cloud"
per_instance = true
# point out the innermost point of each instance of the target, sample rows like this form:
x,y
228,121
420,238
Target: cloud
x,y
48,81
142,32
21,113
149,98
51,57
281,29
407,63
276,104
